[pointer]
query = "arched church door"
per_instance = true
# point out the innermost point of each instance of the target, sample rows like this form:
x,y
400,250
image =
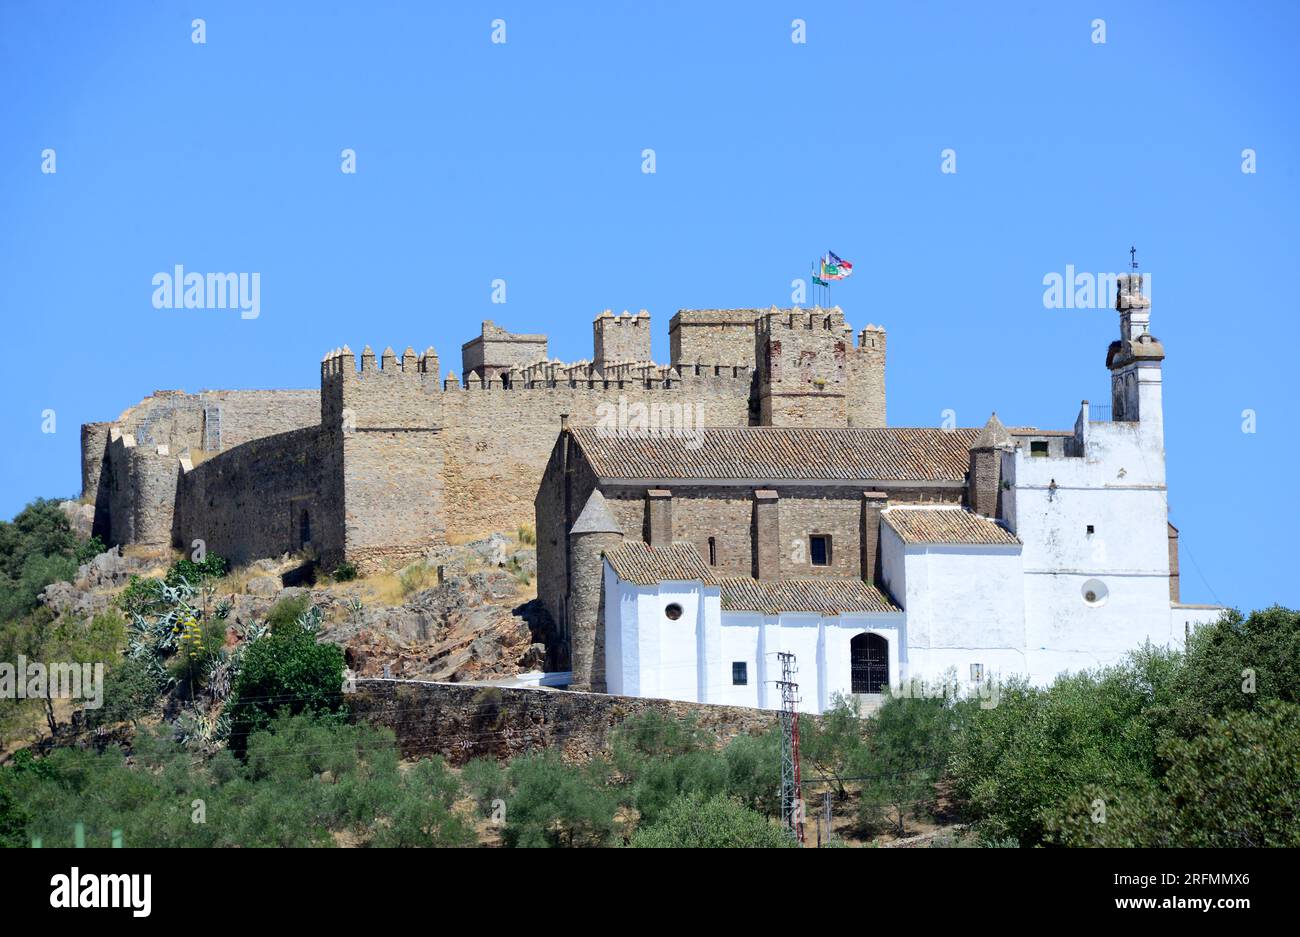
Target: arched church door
x,y
869,662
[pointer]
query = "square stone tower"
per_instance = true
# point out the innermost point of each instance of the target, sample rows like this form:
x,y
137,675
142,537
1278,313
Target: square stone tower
x,y
621,339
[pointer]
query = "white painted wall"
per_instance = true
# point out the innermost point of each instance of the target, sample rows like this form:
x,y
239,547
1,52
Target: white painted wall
x,y
647,654
964,605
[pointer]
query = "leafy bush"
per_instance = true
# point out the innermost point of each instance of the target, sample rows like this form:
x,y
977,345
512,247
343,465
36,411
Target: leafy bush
x,y
486,781
130,691
834,743
902,759
754,771
695,822
344,572
37,548
305,782
285,670
87,550
415,578
555,804
141,596
1235,784
285,614
212,567
1231,665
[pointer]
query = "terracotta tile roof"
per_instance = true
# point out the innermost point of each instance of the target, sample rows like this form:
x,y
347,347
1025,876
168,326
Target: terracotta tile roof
x,y
945,525
779,453
645,565
827,596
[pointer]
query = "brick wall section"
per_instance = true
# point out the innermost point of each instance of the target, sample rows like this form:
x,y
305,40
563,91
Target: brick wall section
x,y
461,722
985,481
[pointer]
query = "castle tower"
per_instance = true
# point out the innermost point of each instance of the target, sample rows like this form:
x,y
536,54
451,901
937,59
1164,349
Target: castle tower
x,y
593,533
803,379
1134,363
622,338
496,351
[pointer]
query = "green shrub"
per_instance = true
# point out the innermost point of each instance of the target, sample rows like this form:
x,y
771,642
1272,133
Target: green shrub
x,y
287,669
130,691
140,596
285,613
305,782
555,804
1037,750
415,578
87,550
754,770
212,567
485,780
901,760
344,572
1235,784
1231,665
695,822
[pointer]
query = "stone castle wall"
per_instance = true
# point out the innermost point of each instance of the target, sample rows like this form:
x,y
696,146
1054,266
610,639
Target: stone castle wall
x,y
249,503
461,721
407,459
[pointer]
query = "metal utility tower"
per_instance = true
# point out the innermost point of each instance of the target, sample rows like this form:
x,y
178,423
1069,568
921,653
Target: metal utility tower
x,y
791,782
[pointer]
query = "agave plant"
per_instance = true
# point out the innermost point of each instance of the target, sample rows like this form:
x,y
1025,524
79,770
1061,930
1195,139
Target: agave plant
x,y
220,676
310,620
196,728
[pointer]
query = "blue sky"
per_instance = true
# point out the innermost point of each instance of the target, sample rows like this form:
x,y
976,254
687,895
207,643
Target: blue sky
x,y
522,161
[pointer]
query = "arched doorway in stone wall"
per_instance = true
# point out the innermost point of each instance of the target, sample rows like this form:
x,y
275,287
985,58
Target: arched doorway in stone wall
x,y
869,663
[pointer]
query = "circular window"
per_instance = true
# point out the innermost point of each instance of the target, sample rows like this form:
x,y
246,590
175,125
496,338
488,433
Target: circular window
x,y
1095,592
673,612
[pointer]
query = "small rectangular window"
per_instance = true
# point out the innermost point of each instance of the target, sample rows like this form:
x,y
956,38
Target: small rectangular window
x,y
739,673
819,549
977,672
713,551
1038,448
1090,529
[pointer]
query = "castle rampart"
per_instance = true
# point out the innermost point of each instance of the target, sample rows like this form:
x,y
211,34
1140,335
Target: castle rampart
x,y
400,457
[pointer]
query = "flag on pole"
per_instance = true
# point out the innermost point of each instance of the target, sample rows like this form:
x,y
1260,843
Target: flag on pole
x,y
833,268
819,281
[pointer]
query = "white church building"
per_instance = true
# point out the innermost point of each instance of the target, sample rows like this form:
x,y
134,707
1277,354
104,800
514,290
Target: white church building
x,y
1019,552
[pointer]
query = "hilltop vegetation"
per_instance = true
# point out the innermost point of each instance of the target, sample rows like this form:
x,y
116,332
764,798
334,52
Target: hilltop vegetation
x,y
220,734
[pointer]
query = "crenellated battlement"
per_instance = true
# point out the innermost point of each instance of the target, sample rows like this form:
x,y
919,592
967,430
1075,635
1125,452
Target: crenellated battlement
x,y
398,449
813,319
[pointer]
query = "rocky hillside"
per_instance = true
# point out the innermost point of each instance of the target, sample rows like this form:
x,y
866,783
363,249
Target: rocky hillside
x,y
469,613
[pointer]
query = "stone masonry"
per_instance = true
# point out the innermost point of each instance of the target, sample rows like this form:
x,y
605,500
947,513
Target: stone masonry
x,y
391,458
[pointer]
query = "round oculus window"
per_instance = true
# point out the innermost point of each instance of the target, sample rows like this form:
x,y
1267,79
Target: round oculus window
x,y
673,611
1094,592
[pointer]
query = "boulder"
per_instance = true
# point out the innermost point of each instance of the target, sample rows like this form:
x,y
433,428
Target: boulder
x,y
81,517
491,550
265,586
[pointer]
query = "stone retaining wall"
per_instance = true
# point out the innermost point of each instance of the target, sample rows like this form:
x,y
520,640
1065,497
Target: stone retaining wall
x,y
462,721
